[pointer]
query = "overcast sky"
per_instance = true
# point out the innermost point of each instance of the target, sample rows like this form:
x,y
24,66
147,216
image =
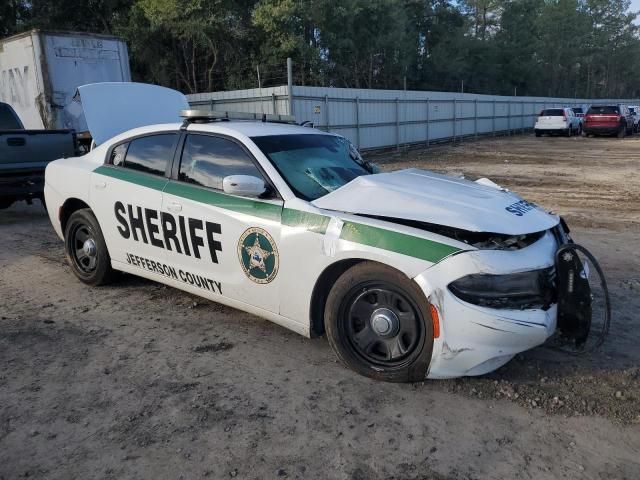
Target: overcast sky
x,y
635,5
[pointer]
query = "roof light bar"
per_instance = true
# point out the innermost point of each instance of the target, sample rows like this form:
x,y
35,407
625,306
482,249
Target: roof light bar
x,y
212,115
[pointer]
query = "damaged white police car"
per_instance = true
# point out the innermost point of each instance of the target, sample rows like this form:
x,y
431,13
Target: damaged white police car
x,y
411,274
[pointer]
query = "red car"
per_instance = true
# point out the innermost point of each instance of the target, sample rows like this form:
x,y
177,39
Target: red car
x,y
608,120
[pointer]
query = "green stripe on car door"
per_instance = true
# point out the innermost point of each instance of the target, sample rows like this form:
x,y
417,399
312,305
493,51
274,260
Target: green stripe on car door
x,y
264,210
139,178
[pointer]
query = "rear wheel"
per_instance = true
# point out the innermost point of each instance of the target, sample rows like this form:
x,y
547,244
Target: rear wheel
x,y
622,132
569,132
378,322
537,133
86,249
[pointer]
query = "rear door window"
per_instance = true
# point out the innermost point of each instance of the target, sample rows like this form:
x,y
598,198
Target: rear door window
x,y
207,159
150,154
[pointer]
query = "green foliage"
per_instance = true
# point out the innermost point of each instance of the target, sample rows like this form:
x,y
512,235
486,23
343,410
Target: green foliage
x,y
579,48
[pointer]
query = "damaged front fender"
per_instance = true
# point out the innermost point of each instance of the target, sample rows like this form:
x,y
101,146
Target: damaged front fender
x,y
476,339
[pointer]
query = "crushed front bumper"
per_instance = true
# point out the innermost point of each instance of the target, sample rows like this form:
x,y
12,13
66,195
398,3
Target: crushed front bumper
x,y
475,340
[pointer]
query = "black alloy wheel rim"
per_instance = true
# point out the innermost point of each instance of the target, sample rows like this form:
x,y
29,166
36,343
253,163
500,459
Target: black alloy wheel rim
x,y
383,325
83,248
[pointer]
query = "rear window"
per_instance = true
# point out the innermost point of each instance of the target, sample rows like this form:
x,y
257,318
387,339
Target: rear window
x,y
604,110
8,120
552,112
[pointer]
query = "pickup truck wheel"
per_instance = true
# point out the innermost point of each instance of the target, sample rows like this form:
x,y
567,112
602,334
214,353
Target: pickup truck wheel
x,y
378,323
622,132
86,249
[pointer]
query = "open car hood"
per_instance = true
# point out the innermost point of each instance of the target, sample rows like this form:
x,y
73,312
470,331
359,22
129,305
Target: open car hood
x,y
111,108
429,197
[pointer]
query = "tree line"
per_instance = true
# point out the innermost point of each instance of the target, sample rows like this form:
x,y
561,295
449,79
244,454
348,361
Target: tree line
x,y
564,48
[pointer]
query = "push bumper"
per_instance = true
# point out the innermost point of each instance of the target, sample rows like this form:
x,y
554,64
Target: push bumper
x,y
475,340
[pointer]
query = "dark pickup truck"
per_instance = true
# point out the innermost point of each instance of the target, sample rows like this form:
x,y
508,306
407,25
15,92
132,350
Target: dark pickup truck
x,y
24,154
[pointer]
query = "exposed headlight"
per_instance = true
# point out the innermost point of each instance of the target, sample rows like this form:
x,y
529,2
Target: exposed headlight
x,y
524,290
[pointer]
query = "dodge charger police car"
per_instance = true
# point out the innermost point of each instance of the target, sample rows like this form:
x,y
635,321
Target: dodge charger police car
x,y
410,274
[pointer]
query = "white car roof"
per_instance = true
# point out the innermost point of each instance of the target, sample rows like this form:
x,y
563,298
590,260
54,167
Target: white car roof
x,y
254,128
231,128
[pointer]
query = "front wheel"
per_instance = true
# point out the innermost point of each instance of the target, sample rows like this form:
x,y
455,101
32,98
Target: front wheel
x,y
379,324
86,249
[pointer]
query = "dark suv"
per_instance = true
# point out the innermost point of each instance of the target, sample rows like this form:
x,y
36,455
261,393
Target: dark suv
x,y
608,120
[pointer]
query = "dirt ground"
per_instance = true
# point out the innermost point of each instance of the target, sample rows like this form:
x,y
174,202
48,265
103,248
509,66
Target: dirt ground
x,y
137,380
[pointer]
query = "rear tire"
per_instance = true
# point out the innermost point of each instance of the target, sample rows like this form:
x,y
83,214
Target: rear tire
x,y
622,132
569,132
538,134
378,323
86,249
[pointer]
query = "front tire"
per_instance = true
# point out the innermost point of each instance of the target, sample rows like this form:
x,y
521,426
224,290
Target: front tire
x,y
86,249
379,324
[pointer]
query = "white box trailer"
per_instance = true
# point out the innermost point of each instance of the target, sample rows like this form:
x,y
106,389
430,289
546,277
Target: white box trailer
x,y
40,72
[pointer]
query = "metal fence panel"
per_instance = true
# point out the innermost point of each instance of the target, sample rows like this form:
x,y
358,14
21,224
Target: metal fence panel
x,y
393,118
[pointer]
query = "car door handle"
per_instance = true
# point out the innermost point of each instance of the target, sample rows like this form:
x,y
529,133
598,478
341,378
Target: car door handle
x,y
174,207
101,185
16,142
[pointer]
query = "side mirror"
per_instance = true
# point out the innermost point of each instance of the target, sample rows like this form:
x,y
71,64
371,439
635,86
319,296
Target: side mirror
x,y
243,185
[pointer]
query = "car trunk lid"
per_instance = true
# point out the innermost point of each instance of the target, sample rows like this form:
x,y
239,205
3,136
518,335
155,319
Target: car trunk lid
x,y
552,117
111,108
